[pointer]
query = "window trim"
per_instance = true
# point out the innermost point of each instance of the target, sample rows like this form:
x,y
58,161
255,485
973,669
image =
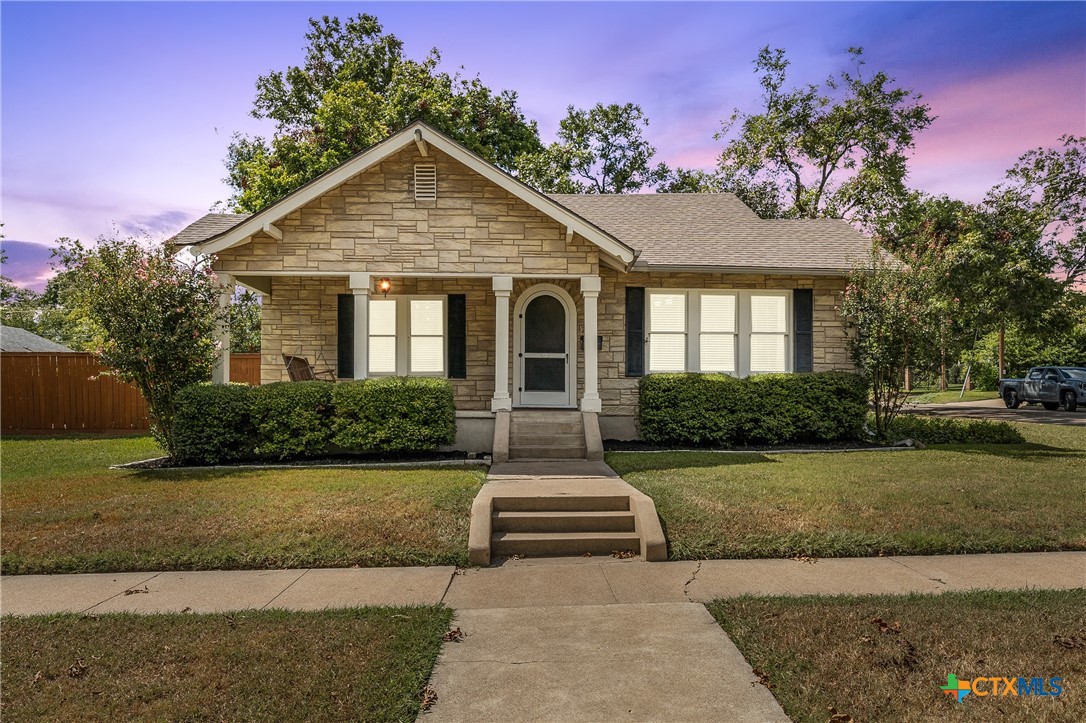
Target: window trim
x,y
404,337
743,331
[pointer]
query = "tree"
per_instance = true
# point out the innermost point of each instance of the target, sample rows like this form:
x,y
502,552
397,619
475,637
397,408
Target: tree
x,y
893,324
158,314
1046,189
761,196
18,306
600,150
245,322
837,151
354,88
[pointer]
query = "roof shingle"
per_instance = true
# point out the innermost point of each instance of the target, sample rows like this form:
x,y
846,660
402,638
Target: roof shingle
x,y
207,226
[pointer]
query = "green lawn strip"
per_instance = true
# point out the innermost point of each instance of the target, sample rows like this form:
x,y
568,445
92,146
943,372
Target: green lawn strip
x,y
819,653
951,397
941,500
359,664
60,515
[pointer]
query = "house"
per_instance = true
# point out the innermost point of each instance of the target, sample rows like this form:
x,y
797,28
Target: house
x,y
417,257
14,339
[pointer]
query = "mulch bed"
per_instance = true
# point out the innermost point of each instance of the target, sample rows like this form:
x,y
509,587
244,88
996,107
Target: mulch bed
x,y
327,461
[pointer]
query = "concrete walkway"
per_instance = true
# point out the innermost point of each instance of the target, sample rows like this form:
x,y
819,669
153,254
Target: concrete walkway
x,y
566,638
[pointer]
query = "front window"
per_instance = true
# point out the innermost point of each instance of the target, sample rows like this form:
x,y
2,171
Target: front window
x,y
407,336
732,332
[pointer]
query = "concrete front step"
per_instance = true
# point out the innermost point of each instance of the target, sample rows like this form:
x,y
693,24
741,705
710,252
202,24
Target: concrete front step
x,y
546,439
545,415
543,428
546,451
563,503
563,543
564,521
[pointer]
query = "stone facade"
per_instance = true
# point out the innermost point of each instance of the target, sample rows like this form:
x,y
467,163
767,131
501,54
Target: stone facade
x,y
373,223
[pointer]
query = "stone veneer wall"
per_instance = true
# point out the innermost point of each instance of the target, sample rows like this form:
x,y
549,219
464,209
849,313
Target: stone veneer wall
x,y
619,392
373,223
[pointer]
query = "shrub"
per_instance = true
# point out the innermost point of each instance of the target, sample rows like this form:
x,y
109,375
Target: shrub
x,y
292,419
718,410
394,414
934,430
212,424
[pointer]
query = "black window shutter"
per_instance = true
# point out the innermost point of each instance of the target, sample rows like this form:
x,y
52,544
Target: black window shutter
x,y
635,331
345,337
457,319
803,318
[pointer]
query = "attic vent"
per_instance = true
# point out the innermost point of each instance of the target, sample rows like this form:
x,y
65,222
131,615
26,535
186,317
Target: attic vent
x,y
425,182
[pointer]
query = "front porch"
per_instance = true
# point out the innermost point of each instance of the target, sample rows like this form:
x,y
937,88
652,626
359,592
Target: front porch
x,y
504,342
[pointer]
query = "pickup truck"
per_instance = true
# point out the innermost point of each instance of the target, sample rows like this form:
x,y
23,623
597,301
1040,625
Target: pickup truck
x,y
1053,387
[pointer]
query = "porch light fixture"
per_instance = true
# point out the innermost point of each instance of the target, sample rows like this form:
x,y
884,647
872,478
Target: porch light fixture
x,y
384,285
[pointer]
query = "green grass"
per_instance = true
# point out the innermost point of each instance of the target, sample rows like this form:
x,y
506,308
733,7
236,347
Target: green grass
x,y
941,500
65,511
951,397
823,653
361,664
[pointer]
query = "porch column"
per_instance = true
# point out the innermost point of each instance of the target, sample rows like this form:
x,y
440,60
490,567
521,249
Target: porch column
x,y
220,373
503,287
360,287
590,289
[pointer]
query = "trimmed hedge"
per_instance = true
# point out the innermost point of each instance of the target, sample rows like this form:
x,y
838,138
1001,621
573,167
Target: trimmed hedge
x,y
720,411
222,423
292,419
394,414
935,430
212,423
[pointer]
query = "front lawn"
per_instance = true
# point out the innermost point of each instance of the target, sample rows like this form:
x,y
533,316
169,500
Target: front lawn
x,y
941,500
64,511
885,658
360,664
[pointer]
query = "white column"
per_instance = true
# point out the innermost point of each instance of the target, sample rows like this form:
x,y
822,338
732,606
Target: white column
x,y
590,289
360,287
220,373
503,287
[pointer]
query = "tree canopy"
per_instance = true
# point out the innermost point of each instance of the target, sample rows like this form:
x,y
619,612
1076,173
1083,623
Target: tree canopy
x,y
838,150
599,150
354,87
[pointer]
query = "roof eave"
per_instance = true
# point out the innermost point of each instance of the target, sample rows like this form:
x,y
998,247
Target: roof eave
x,y
718,269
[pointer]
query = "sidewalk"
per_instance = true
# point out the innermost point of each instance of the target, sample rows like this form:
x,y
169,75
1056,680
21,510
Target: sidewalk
x,y
533,583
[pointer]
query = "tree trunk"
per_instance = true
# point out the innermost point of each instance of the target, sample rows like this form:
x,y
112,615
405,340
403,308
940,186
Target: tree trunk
x,y
1002,365
942,370
908,379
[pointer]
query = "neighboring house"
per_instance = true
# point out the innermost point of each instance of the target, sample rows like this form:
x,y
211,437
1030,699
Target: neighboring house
x,y
14,339
498,287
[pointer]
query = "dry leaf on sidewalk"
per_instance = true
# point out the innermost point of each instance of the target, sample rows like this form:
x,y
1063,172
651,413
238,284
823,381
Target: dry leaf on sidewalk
x,y
453,636
136,590
429,697
805,558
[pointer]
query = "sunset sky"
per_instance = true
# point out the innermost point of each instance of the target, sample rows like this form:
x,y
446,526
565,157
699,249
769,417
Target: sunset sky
x,y
117,115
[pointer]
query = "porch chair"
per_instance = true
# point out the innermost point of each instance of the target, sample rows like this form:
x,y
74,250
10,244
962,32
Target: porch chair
x,y
300,370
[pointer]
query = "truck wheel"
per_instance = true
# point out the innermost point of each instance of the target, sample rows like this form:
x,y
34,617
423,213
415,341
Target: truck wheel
x,y
1010,398
1069,401
1051,406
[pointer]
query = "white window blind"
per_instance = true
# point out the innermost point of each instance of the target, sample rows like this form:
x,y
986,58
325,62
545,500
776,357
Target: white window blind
x,y
716,342
768,333
382,328
667,332
427,336
425,182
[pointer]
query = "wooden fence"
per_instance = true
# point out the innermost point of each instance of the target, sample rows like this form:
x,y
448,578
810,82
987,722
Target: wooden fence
x,y
43,393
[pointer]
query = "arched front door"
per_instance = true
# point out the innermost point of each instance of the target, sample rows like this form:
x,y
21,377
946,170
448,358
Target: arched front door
x,y
545,354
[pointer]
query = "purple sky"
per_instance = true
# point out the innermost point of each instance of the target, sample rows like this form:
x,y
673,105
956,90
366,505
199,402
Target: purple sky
x,y
117,115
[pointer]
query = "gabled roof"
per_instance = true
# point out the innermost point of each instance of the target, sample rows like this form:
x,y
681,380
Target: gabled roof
x,y
14,339
421,134
708,231
208,226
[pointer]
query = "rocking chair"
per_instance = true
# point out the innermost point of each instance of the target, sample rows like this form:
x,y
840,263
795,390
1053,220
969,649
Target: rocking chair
x,y
300,370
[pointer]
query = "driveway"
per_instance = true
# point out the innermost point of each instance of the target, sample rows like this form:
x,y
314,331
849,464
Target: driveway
x,y
994,410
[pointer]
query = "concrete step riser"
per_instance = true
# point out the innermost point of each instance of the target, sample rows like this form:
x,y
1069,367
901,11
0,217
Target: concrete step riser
x,y
559,546
556,453
546,440
548,417
563,522
570,503
542,428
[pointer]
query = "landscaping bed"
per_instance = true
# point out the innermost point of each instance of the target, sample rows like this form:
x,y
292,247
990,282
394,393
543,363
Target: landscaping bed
x,y
885,658
941,500
361,664
65,511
